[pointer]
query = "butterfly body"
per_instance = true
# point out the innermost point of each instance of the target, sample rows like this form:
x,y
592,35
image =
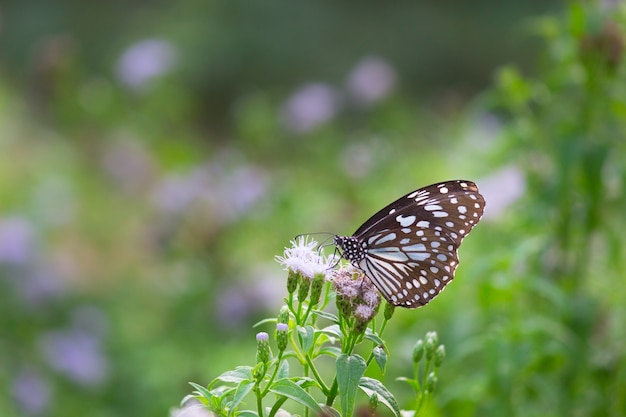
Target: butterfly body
x,y
409,248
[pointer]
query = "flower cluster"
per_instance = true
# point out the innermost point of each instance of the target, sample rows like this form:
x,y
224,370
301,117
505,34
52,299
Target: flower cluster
x,y
303,258
356,295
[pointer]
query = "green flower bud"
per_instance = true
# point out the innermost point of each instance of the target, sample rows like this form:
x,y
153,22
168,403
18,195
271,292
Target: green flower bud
x,y
430,345
389,309
433,336
373,402
293,279
431,382
258,372
418,351
303,292
283,316
316,288
344,306
263,352
360,326
440,355
281,336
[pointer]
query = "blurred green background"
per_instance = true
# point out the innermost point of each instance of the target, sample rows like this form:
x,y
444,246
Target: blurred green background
x,y
155,156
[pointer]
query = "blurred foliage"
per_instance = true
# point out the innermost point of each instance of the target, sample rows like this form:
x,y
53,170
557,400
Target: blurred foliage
x,y
139,218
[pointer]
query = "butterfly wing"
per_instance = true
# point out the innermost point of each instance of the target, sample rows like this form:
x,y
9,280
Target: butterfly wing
x,y
411,245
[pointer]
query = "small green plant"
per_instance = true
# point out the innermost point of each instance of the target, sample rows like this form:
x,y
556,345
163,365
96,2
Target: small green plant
x,y
331,351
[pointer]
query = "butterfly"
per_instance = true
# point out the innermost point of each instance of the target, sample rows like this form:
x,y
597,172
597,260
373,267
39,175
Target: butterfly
x,y
409,248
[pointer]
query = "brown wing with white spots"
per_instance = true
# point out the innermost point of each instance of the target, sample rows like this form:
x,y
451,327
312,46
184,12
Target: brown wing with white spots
x,y
409,248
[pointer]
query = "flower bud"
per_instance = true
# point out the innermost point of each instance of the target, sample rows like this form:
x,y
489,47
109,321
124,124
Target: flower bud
x,y
293,278
259,372
431,381
389,309
360,326
283,316
418,351
373,402
262,347
440,355
316,288
303,291
344,306
281,336
430,345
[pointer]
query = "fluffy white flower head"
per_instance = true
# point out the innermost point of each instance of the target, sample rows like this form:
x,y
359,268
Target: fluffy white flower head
x,y
304,258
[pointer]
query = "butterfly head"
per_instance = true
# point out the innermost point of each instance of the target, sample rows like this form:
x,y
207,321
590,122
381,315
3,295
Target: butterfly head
x,y
350,248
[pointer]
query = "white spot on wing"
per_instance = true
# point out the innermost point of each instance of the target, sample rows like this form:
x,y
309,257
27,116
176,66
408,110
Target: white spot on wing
x,y
432,207
386,238
405,221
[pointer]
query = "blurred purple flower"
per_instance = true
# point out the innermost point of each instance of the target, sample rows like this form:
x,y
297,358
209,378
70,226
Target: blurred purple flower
x,y
370,81
129,164
357,159
17,241
241,190
174,193
144,61
77,352
501,189
223,193
310,106
244,299
31,392
39,283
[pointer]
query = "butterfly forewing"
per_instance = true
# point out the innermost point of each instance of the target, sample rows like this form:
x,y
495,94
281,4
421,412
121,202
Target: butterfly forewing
x,y
409,248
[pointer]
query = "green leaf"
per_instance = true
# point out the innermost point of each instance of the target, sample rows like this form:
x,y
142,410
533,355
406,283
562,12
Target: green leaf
x,y
327,316
268,320
411,382
330,351
283,370
332,330
242,390
201,391
330,412
305,382
380,356
241,373
370,386
371,336
291,390
350,369
247,413
307,337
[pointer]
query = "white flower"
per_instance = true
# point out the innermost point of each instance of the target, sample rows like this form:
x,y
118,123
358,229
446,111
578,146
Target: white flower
x,y
304,258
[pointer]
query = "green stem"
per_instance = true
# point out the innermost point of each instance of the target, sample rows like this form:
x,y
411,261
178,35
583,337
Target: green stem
x,y
330,398
296,350
317,376
259,401
422,394
274,373
276,406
